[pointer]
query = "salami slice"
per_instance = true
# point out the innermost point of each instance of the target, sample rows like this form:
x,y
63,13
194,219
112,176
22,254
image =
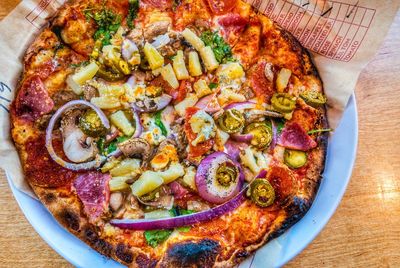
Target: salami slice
x,y
33,100
295,137
94,192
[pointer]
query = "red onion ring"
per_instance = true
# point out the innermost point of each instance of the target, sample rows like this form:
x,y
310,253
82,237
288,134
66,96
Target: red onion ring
x,y
138,124
206,104
233,148
49,140
242,137
262,174
241,105
206,181
185,220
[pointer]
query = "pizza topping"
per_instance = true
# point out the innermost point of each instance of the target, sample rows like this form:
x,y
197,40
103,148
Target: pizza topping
x,y
130,52
222,50
313,98
93,190
49,136
261,134
33,99
201,124
295,158
231,121
218,178
136,146
241,105
294,137
261,192
91,124
77,146
183,220
147,104
282,79
283,102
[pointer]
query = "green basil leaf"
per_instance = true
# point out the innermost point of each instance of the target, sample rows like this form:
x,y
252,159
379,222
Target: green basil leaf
x,y
156,237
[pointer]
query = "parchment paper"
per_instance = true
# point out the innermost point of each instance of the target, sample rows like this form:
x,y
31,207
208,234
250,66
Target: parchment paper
x,y
342,35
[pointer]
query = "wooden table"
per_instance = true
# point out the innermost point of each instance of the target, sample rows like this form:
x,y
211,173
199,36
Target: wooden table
x,y
364,231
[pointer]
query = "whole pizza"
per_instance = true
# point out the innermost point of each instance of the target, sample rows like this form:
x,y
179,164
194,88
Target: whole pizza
x,y
170,133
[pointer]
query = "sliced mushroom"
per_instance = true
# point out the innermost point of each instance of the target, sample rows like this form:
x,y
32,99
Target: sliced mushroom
x,y
136,35
197,205
178,133
116,201
160,198
136,147
155,29
76,145
269,72
89,92
260,115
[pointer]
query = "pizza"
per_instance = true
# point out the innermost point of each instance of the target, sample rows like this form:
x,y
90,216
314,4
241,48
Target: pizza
x,y
166,133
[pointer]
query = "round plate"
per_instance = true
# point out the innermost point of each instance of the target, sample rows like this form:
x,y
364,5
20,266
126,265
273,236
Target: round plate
x,y
339,163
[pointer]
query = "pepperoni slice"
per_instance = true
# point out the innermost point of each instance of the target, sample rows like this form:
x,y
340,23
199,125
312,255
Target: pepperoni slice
x,y
33,100
262,87
93,190
221,6
294,137
201,148
41,170
232,26
283,183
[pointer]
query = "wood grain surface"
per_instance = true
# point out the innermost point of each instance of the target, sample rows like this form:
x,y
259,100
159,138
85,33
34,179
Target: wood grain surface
x,y
365,229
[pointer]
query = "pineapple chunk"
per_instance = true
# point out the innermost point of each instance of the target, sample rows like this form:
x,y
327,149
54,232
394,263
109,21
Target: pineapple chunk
x,y
111,90
194,64
110,165
174,171
283,79
84,74
120,120
148,182
232,70
190,100
208,57
178,62
193,39
201,88
158,214
118,183
168,74
127,167
153,56
106,102
189,178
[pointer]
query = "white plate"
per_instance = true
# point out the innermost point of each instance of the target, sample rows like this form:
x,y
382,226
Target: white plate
x,y
340,159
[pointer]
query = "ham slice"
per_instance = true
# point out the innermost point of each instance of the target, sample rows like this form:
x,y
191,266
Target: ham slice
x,y
295,137
33,100
178,190
93,190
232,26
